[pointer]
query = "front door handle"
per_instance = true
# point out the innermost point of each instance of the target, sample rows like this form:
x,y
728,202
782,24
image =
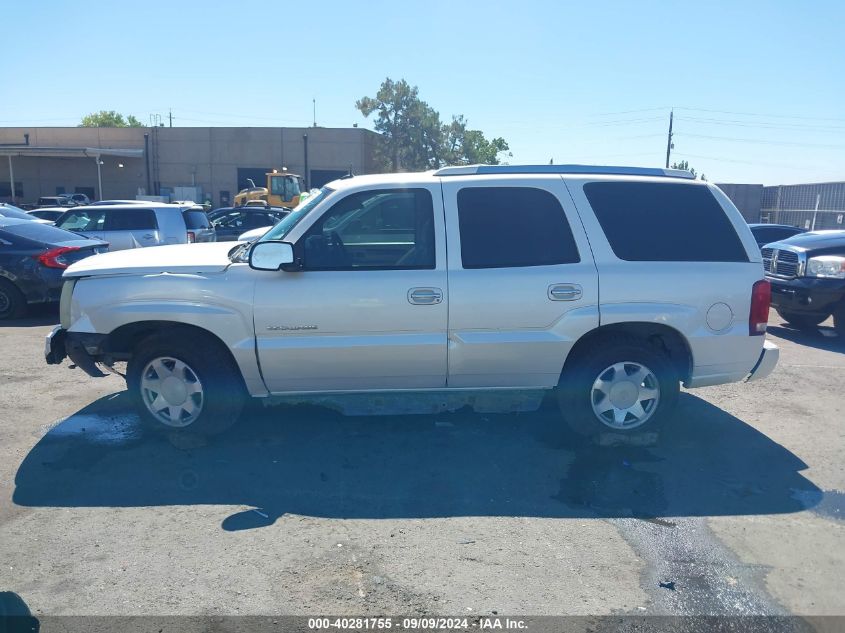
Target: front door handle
x,y
149,236
425,296
565,292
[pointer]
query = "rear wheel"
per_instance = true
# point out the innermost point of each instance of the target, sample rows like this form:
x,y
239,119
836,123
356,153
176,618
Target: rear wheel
x,y
12,301
621,385
802,321
185,384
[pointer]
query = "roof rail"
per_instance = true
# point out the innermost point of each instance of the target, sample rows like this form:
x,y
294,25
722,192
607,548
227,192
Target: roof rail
x,y
468,170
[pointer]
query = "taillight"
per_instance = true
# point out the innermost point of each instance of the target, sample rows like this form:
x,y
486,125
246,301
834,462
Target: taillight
x,y
54,257
761,299
192,237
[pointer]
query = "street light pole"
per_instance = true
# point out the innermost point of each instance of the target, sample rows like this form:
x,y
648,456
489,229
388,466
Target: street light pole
x,y
669,141
12,179
99,177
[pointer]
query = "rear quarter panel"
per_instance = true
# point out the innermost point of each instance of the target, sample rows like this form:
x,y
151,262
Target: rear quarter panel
x,y
708,303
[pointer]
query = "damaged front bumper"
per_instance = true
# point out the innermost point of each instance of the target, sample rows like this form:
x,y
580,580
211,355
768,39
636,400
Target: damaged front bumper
x,y
81,348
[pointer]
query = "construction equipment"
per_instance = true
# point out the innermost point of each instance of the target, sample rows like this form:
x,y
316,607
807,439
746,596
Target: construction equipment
x,y
282,190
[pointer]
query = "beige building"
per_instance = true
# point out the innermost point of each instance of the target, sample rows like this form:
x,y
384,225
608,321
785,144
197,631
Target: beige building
x,y
182,162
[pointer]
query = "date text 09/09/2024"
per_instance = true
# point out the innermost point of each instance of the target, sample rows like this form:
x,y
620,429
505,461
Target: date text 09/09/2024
x,y
432,623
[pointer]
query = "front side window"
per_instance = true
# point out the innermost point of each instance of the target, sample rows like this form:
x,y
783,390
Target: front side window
x,y
664,222
508,227
380,229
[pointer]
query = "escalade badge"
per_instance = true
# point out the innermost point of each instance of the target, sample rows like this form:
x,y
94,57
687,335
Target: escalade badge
x,y
291,327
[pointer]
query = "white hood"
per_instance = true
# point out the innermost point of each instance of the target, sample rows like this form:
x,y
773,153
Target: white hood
x,y
180,258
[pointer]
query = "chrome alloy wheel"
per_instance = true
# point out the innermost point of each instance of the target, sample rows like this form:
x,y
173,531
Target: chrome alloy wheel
x,y
625,395
172,392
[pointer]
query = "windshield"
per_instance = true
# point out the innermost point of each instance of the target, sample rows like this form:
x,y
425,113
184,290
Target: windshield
x,y
284,227
280,231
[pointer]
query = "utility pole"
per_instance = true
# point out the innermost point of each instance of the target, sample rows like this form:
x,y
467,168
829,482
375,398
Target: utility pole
x,y
170,115
669,141
314,102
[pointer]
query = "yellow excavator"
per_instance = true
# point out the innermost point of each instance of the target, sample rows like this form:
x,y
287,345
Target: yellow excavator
x,y
282,190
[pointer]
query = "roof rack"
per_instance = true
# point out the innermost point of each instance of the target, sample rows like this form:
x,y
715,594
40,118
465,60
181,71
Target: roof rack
x,y
468,170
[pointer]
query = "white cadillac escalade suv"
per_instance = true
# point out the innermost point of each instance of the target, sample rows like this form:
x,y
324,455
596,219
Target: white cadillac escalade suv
x,y
610,285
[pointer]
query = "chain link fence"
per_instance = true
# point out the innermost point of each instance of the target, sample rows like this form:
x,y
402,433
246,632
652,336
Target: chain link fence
x,y
805,218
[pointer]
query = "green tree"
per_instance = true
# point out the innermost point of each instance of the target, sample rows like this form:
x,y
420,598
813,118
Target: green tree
x,y
109,118
684,165
413,138
462,146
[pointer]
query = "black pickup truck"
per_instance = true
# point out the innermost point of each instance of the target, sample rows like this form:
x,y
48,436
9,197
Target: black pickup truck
x,y
807,273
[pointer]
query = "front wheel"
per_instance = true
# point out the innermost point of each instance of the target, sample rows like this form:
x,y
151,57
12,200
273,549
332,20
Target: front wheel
x,y
181,384
621,385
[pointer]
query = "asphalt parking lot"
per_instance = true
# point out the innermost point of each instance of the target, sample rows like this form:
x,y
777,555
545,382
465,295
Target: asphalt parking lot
x,y
301,510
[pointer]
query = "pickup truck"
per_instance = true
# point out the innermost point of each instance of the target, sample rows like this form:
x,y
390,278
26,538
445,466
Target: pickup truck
x,y
807,274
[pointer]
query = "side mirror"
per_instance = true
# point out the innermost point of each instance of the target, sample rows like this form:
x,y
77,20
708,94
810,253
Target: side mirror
x,y
270,255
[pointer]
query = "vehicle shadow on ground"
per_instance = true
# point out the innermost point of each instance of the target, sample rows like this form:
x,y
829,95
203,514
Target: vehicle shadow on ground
x,y
824,338
37,316
312,461
15,616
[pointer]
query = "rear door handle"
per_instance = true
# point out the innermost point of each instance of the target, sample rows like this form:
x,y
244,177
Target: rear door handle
x,y
565,292
149,236
425,296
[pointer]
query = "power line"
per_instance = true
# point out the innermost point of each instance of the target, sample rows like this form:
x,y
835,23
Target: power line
x,y
760,114
755,162
761,141
765,125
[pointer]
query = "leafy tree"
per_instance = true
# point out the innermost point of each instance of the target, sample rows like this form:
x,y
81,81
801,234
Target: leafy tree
x,y
462,146
109,118
413,137
684,165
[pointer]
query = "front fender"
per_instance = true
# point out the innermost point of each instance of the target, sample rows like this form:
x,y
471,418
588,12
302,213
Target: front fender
x,y
216,303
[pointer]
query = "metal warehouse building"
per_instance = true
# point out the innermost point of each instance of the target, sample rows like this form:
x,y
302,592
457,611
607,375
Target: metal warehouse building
x,y
202,163
811,206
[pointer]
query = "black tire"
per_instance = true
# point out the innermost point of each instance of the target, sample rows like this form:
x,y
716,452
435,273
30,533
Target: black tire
x,y
802,321
576,394
12,301
208,363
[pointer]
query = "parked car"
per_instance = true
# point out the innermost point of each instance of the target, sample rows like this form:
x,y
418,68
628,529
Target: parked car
x,y
78,198
253,234
766,233
425,282
135,226
231,225
807,273
10,211
32,259
48,214
56,201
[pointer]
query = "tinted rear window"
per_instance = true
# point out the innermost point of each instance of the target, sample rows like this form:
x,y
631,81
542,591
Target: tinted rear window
x,y
130,220
195,219
664,222
506,227
40,232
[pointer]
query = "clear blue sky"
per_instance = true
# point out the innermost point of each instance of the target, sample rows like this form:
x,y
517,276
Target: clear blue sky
x,y
757,87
